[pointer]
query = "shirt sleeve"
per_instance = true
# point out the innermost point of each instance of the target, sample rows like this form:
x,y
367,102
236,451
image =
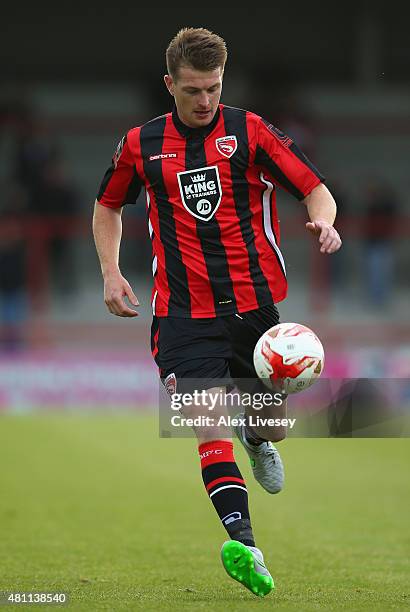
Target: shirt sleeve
x,y
283,160
121,183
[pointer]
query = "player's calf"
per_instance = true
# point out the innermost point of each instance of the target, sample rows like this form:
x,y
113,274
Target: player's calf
x,y
210,416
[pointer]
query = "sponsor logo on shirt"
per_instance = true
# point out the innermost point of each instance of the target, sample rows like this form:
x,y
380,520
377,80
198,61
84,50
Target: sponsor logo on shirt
x,y
201,191
227,145
163,156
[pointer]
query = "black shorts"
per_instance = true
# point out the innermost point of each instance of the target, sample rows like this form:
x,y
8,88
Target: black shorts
x,y
210,350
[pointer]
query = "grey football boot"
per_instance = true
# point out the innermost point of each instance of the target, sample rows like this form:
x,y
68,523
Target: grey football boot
x,y
265,461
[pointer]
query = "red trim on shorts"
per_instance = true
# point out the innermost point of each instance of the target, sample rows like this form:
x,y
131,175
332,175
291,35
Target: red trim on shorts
x,y
155,349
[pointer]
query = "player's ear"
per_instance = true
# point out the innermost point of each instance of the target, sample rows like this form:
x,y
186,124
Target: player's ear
x,y
169,83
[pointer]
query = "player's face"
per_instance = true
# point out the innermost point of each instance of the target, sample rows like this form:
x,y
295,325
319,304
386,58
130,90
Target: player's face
x,y
196,94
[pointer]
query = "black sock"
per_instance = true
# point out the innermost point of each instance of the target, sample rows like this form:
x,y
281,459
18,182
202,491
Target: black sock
x,y
226,489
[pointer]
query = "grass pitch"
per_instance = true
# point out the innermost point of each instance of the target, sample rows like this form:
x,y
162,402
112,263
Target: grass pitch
x,y
102,508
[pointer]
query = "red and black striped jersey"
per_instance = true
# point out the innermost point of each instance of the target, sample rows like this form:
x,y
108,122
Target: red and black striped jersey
x,y
211,208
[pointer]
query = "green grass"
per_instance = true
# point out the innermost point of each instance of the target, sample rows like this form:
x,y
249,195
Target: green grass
x,y
102,508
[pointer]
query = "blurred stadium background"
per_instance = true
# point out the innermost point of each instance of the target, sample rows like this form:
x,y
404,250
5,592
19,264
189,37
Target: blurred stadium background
x,y
73,514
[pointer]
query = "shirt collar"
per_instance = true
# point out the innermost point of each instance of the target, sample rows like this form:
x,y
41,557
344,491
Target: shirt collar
x,y
188,132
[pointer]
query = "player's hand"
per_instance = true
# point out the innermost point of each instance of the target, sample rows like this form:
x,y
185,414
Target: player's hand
x,y
116,288
328,237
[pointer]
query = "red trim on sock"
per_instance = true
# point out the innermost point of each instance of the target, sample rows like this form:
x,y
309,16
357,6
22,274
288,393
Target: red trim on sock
x,y
224,479
217,451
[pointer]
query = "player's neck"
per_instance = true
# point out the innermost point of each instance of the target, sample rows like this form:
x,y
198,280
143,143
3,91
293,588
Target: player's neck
x,y
187,130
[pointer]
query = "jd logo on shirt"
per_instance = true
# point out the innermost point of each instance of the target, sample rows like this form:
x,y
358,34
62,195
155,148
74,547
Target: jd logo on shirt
x,y
201,191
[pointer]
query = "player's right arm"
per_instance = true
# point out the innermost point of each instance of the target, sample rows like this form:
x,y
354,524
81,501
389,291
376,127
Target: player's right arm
x,y
107,229
121,185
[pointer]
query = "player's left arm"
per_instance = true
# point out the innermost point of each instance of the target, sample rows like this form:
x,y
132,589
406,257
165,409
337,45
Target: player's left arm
x,y
321,208
293,171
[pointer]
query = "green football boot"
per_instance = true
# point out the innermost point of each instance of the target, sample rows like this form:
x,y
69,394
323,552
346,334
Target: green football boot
x,y
246,565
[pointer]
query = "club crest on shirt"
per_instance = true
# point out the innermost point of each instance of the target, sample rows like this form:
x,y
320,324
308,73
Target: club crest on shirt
x,y
201,191
227,145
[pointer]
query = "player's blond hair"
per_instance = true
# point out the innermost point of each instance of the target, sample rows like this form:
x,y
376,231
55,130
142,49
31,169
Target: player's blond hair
x,y
196,48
